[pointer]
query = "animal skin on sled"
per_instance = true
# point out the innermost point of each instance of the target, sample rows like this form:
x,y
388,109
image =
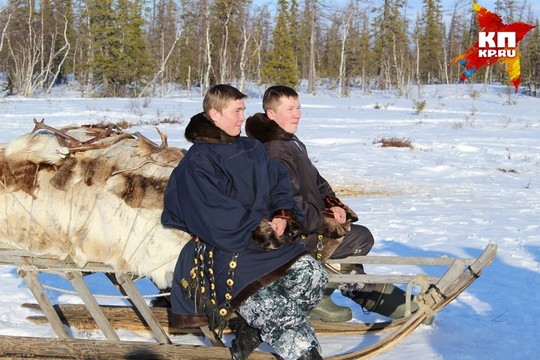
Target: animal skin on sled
x,y
94,195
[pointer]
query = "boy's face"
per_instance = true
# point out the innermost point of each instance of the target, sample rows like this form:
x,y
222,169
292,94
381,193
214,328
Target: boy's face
x,y
286,114
231,118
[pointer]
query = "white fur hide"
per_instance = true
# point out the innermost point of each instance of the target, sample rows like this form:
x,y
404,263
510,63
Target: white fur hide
x,y
95,209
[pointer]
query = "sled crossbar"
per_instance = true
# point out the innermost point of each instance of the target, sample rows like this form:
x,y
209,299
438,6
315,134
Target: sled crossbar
x,y
336,277
8,257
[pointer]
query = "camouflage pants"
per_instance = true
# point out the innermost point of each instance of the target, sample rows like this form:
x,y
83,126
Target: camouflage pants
x,y
279,310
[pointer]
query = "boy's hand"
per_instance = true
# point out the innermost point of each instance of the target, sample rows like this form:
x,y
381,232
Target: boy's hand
x,y
278,225
339,214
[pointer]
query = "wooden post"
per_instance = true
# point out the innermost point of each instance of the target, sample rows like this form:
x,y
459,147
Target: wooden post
x,y
43,348
93,307
138,301
28,273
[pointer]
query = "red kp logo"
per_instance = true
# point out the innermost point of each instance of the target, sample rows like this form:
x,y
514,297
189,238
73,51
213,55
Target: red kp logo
x,y
497,42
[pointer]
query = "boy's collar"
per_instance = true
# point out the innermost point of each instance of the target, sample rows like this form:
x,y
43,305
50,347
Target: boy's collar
x,y
203,129
262,128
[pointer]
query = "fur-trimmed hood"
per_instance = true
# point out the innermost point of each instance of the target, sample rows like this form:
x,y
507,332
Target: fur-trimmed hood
x,y
260,127
203,129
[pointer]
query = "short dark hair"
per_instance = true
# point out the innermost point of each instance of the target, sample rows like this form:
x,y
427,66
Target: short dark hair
x,y
273,94
219,96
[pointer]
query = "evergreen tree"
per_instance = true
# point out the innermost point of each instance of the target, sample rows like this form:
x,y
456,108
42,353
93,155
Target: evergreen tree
x,y
135,63
294,31
119,51
361,60
330,54
430,43
280,66
391,46
303,41
188,61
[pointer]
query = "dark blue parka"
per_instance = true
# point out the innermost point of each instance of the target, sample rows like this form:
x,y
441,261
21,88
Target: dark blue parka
x,y
220,192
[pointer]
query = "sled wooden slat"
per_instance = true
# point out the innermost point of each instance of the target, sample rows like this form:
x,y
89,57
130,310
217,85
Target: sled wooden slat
x,y
138,301
28,274
9,256
35,347
91,304
211,336
336,278
375,279
125,317
399,260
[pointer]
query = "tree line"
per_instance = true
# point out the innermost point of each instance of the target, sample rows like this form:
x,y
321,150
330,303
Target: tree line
x,y
144,47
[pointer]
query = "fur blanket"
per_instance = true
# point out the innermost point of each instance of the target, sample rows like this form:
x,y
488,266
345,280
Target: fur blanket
x,y
90,194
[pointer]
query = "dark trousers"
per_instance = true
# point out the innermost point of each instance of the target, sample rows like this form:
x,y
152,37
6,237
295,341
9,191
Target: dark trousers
x,y
358,241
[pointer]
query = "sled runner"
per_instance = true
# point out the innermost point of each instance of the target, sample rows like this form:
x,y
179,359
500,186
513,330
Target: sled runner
x,y
435,293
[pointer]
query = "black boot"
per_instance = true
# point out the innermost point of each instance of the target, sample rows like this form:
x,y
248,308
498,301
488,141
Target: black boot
x,y
385,299
311,354
247,339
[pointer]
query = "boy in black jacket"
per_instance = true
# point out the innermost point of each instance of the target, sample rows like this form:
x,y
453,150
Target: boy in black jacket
x,y
329,222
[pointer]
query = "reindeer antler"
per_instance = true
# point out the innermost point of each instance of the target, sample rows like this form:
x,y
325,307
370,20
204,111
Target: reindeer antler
x,y
163,137
75,145
92,145
100,132
66,140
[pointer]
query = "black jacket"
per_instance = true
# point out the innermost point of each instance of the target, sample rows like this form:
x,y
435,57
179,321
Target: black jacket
x,y
309,188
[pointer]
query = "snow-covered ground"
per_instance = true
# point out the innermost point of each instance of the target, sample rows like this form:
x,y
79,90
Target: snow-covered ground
x,y
472,178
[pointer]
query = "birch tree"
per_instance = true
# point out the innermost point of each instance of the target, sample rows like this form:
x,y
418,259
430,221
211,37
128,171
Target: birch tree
x,y
6,25
312,37
349,14
37,46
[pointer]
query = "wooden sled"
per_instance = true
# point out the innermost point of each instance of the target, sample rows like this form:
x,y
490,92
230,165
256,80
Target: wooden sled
x,y
435,294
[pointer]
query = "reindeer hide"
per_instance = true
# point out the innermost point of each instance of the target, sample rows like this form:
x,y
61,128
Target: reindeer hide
x,y
97,199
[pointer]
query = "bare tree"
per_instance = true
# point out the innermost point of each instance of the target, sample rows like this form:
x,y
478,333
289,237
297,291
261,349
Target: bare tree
x,y
25,56
163,64
261,30
311,73
65,50
207,65
246,38
4,30
350,12
228,9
